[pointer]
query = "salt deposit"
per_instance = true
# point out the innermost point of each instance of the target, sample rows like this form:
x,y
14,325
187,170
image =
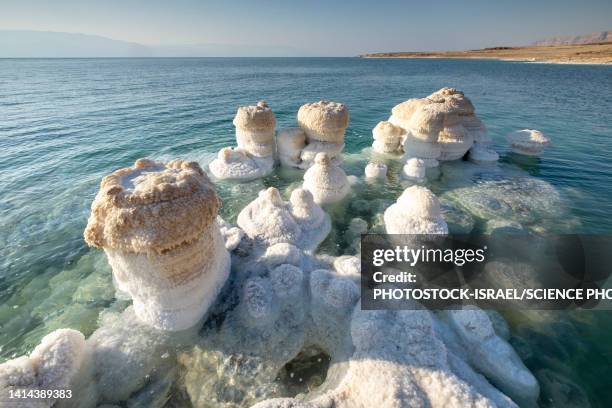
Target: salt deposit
x,y
157,224
327,182
417,211
254,156
528,142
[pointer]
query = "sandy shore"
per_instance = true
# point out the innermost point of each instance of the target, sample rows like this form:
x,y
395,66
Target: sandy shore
x,y
561,54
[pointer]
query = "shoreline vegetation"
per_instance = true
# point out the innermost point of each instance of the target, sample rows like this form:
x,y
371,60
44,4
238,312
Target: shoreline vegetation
x,y
599,53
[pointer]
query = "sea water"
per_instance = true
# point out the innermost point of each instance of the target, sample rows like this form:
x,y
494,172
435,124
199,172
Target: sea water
x,y
64,123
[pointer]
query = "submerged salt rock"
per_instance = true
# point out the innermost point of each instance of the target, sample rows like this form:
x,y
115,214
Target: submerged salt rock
x,y
324,121
290,142
237,164
327,182
157,224
52,365
414,169
255,129
481,154
376,170
492,356
387,137
528,142
127,354
417,211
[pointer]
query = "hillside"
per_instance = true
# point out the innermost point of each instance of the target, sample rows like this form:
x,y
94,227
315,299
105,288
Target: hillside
x,y
592,38
562,54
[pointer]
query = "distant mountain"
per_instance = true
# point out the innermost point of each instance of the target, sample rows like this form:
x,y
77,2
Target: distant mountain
x,y
47,44
592,38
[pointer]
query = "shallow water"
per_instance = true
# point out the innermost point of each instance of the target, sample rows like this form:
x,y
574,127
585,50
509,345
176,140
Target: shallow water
x,y
66,123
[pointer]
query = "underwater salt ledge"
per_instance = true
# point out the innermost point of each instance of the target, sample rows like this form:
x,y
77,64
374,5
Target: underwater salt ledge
x,y
280,298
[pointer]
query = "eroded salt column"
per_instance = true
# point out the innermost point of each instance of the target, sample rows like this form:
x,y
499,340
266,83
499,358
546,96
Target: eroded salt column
x,y
157,225
441,126
528,142
326,181
255,129
324,124
254,156
417,211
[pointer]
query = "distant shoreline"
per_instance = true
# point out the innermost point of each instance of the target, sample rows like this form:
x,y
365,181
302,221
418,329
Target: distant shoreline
x,y
591,54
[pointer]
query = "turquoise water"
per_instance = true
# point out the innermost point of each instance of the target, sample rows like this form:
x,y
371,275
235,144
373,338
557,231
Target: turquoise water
x,y
66,123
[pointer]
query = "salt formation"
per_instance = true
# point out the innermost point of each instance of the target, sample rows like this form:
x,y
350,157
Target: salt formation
x,y
52,365
157,225
326,181
481,152
417,211
236,163
491,355
376,170
386,137
290,142
442,126
254,156
414,169
528,142
322,126
269,220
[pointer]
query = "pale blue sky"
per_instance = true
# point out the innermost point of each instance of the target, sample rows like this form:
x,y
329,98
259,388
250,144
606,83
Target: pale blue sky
x,y
317,27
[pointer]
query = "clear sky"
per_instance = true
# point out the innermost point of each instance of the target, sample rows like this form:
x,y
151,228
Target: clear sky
x,y
314,26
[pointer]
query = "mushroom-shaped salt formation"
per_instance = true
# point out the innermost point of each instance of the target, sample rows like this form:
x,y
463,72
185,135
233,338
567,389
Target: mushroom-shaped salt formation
x,y
528,142
387,137
376,170
417,211
269,220
327,182
237,164
414,169
254,156
255,129
442,126
157,224
53,365
324,123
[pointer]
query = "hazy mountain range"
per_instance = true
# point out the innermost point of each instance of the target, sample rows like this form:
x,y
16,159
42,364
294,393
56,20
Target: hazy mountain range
x,y
592,38
47,44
